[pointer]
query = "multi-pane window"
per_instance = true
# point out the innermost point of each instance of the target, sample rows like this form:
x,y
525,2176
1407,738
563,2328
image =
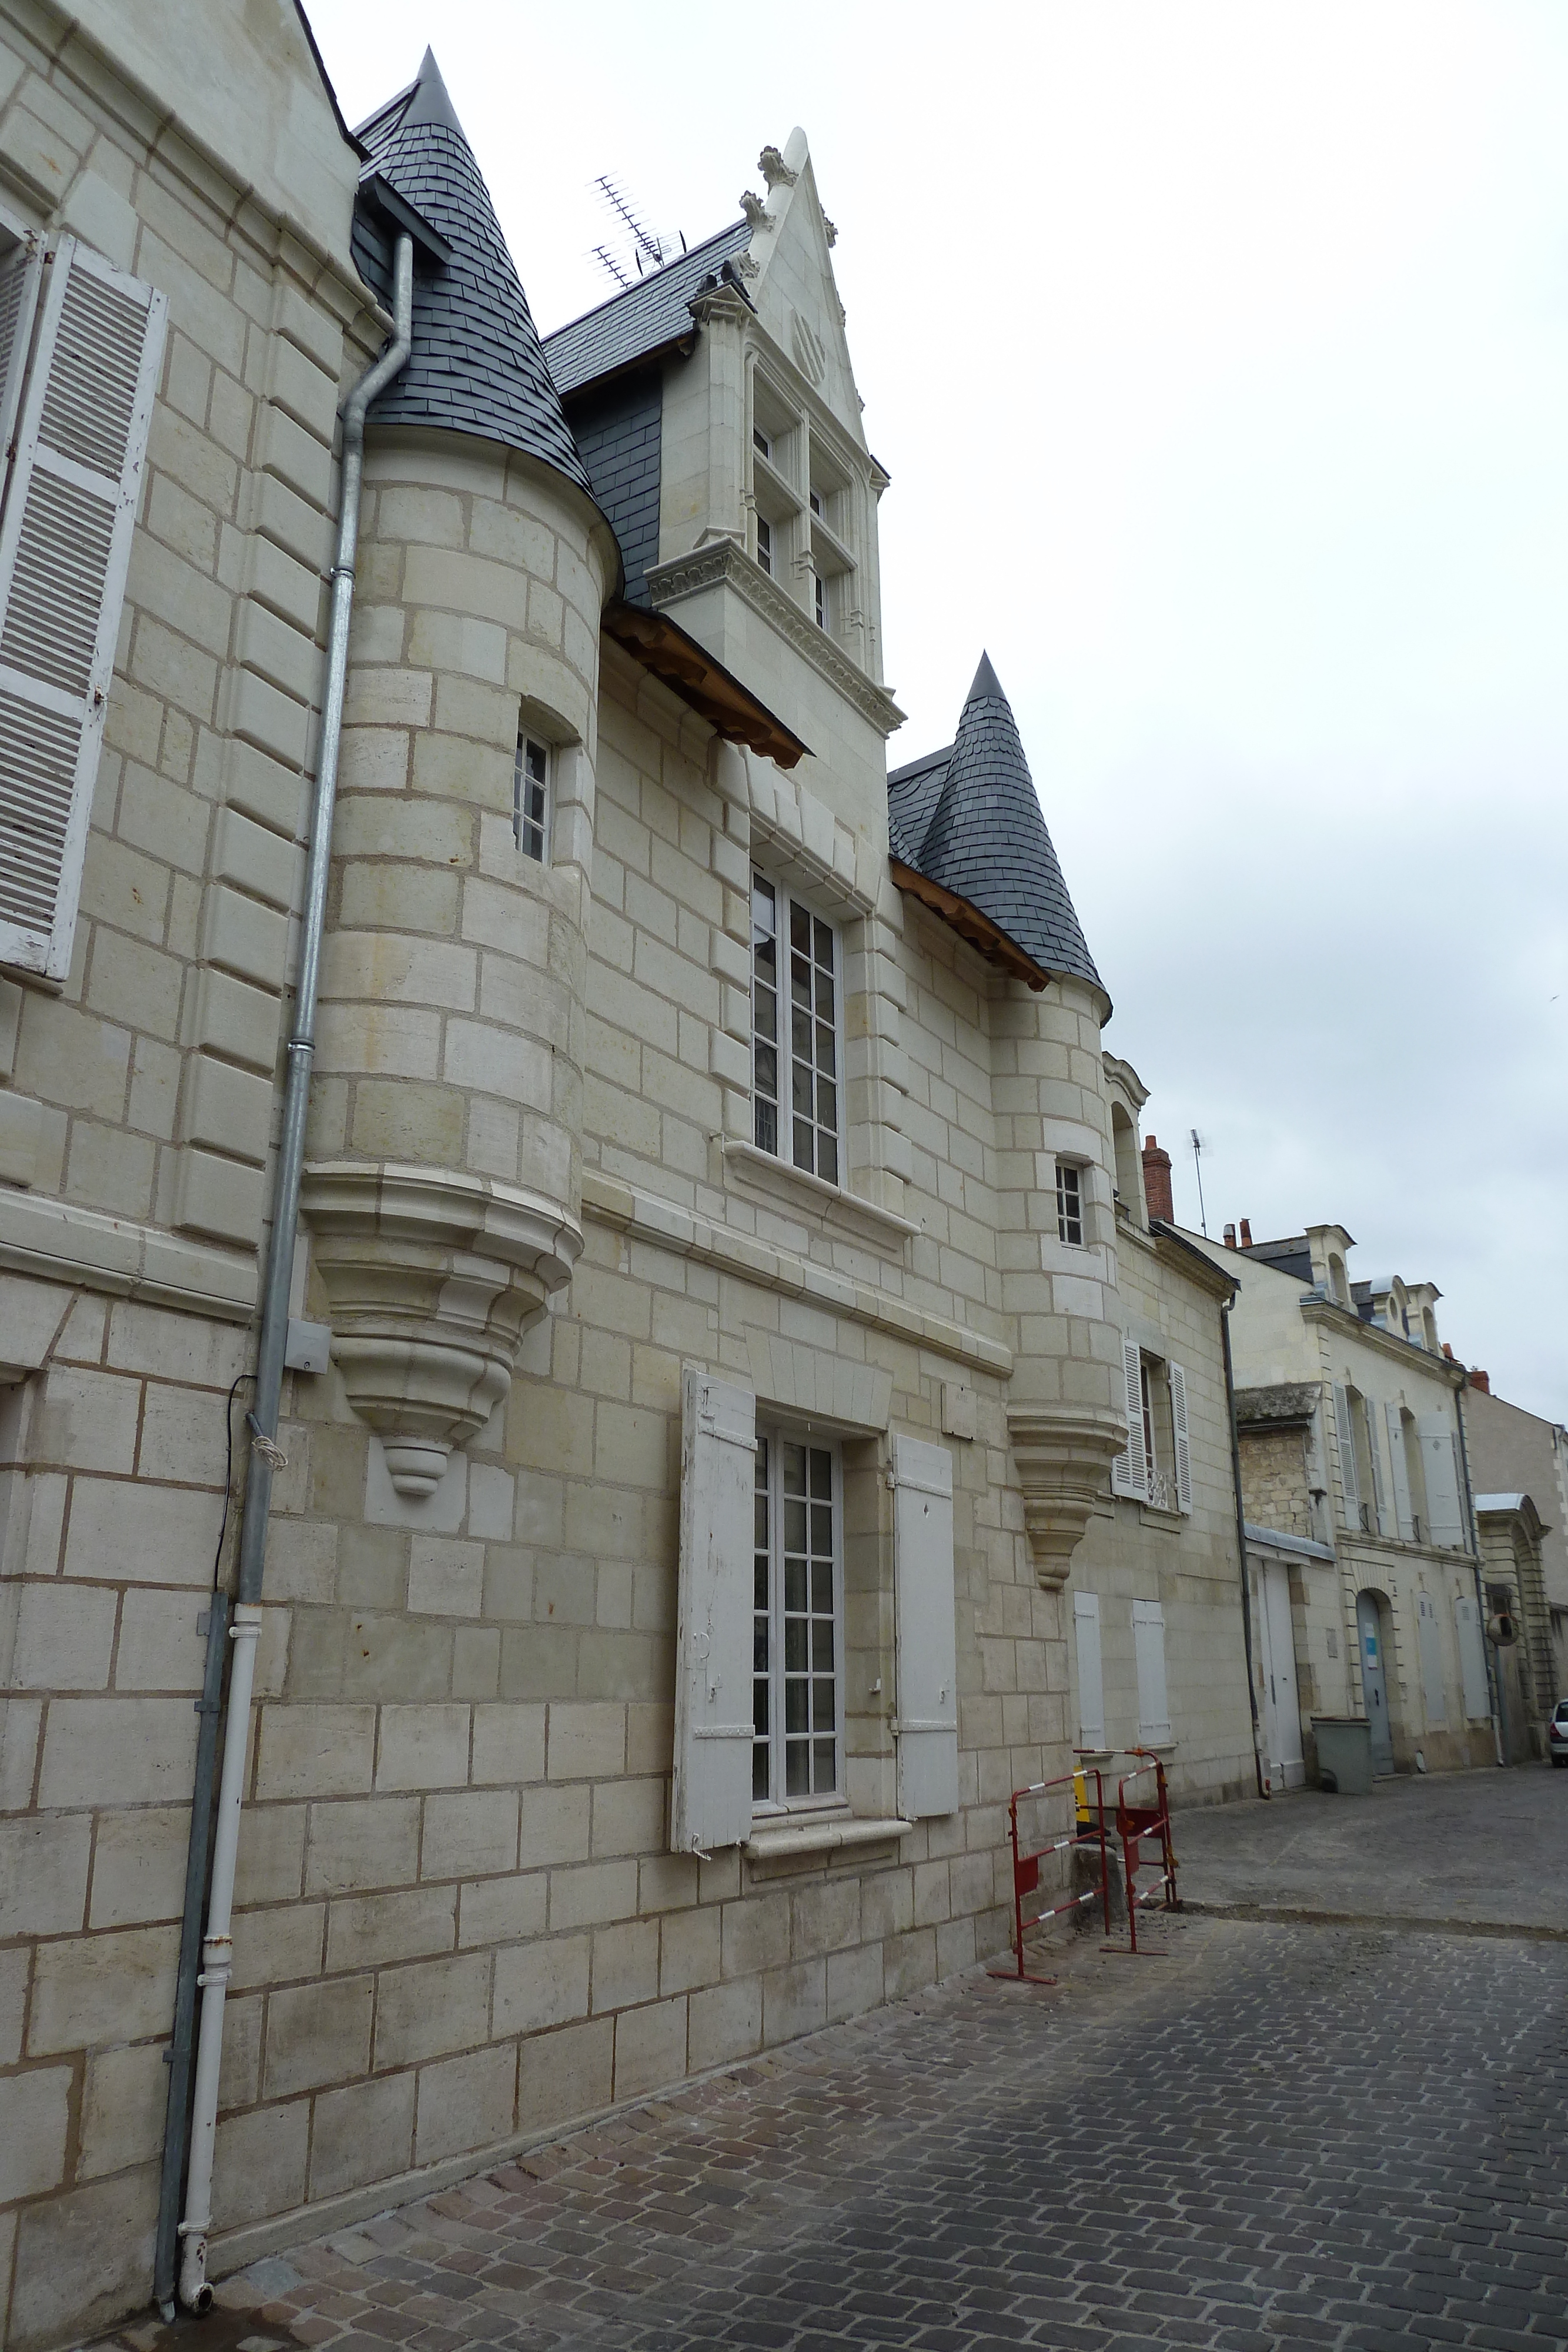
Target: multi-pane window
x,y
765,543
795,1624
531,797
1069,1203
1149,1455
794,1028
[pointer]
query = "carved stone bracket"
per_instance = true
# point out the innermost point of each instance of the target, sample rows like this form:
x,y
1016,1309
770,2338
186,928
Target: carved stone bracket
x,y
434,1276
1063,1455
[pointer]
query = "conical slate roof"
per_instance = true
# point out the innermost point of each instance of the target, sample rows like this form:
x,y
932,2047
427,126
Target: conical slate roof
x,y
969,819
475,366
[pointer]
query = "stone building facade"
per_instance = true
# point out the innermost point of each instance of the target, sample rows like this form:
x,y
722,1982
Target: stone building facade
x,y
1513,1452
712,1298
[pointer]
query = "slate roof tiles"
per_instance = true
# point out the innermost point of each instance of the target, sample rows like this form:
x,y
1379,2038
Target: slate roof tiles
x,y
650,315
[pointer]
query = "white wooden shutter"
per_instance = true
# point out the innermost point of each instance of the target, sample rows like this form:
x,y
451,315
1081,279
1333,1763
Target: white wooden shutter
x,y
710,1795
1149,1657
1349,1476
65,544
1404,1515
21,278
927,1629
1130,1470
1429,1640
1182,1447
1090,1680
1373,1455
1447,1525
1472,1657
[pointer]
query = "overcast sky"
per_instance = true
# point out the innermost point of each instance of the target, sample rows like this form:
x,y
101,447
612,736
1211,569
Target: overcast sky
x,y
1220,357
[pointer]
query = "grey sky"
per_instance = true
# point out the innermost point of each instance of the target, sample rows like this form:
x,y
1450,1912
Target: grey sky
x,y
1219,356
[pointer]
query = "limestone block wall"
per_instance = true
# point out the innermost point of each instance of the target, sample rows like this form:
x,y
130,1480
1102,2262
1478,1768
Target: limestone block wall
x,y
1274,1480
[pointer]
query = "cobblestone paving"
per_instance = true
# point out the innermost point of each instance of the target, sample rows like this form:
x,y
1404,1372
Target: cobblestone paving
x,y
1276,2135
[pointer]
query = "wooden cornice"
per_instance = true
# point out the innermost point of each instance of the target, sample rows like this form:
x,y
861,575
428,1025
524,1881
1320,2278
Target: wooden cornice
x,y
664,648
966,920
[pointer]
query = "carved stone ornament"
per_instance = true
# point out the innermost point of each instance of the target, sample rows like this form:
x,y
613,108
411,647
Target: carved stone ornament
x,y
433,1275
829,231
810,357
1063,1453
756,211
775,170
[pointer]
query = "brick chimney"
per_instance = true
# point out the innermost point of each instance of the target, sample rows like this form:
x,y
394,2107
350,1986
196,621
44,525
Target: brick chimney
x,y
1246,1233
1480,1380
1230,1237
1157,1180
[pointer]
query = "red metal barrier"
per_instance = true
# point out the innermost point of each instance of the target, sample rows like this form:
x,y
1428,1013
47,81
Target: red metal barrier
x,y
1137,1822
1029,1854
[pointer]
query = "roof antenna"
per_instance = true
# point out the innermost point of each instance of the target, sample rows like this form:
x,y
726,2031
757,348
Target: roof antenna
x,y
614,266
643,240
1198,1169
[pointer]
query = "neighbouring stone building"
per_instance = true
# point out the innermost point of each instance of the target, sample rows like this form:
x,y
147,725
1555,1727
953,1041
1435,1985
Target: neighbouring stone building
x,y
722,1262
1518,1453
1362,1550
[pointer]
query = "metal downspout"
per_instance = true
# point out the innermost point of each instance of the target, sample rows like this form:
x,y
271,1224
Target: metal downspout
x,y
1494,1669
1241,1537
196,2135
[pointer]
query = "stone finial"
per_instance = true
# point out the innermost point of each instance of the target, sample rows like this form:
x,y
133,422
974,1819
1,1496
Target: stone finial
x,y
756,211
775,170
830,233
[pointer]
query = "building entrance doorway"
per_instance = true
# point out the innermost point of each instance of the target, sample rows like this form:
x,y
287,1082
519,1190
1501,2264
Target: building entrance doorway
x,y
1374,1680
1283,1764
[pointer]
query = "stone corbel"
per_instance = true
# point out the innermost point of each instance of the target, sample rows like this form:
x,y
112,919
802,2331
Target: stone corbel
x,y
1063,1453
775,170
433,1275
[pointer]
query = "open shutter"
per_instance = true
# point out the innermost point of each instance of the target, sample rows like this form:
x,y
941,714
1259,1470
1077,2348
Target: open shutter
x,y
1374,1453
927,1629
1130,1470
1091,1681
1404,1515
1430,1642
1183,1449
65,544
1149,1657
710,1795
21,278
1472,1657
1349,1478
1442,1479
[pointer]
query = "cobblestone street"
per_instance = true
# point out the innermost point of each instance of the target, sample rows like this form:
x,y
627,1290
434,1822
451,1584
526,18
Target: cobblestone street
x,y
1275,2134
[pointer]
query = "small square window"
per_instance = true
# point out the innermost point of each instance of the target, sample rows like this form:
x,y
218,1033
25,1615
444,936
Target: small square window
x,y
1068,1204
761,444
765,543
531,798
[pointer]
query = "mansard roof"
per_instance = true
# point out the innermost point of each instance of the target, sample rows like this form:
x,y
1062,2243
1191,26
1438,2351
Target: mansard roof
x,y
477,365
648,317
967,821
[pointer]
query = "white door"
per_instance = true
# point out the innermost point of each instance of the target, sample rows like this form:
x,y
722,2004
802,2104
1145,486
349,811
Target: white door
x,y
1283,1762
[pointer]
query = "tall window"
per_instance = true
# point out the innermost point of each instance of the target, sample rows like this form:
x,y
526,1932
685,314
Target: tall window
x,y
795,1625
765,543
794,1028
1068,1204
819,599
1151,1459
531,797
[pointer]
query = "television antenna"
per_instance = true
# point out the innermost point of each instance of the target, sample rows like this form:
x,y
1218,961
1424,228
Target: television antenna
x,y
1197,1147
607,260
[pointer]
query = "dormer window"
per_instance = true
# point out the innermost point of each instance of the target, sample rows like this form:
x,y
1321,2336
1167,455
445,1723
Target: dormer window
x,y
819,505
765,544
531,797
761,442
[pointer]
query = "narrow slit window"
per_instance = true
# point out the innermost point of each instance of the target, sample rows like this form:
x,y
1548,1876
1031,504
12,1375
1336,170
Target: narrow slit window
x,y
819,599
794,1032
765,544
531,798
795,1683
1068,1204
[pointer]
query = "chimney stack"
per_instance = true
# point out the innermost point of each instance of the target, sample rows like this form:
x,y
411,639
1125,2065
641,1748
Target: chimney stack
x,y
1230,1237
1480,1380
1157,1180
1246,1233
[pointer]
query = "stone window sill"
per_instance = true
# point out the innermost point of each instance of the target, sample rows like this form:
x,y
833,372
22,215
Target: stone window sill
x,y
795,1186
813,1837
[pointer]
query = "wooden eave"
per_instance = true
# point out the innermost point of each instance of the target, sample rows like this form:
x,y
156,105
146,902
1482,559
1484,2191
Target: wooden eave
x,y
986,937
689,670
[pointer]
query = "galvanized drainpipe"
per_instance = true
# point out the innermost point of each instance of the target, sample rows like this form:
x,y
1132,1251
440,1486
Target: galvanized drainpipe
x,y
1241,1537
217,1943
1494,1664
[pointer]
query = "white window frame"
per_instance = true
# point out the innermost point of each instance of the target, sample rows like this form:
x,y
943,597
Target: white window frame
x,y
525,824
821,605
765,544
1072,1204
771,1438
782,1148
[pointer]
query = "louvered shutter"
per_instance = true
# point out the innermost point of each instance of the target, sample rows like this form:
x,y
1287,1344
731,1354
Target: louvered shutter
x,y
1130,1470
1349,1478
1431,1643
1149,1658
1373,1455
1183,1446
1472,1657
927,1631
1090,1680
1442,1472
710,1795
1399,1471
65,544
20,279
